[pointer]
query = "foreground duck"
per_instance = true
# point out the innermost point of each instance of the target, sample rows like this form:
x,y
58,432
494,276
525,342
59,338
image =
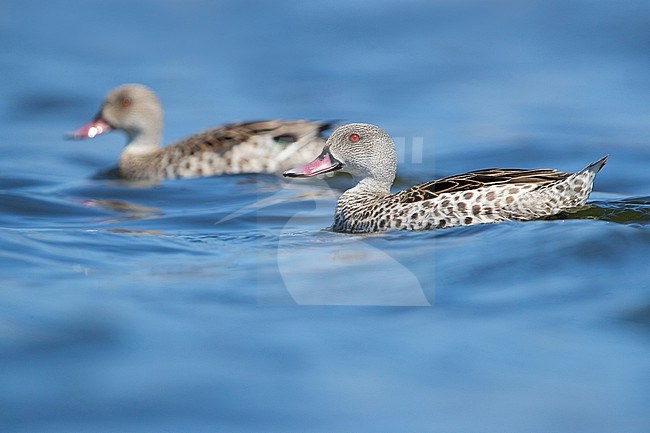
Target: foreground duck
x,y
253,147
483,196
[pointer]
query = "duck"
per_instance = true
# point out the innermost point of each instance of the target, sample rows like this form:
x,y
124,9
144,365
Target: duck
x,y
484,196
269,146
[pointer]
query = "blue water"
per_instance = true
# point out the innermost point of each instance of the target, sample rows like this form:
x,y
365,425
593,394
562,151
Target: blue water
x,y
225,304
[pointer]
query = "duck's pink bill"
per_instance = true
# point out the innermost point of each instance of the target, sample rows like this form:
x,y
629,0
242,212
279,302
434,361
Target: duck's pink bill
x,y
323,164
90,130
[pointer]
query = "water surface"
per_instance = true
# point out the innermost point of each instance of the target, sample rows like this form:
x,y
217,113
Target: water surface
x,y
226,304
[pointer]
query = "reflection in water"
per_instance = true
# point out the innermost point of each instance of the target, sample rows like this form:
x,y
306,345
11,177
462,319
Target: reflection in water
x,y
135,232
627,211
130,210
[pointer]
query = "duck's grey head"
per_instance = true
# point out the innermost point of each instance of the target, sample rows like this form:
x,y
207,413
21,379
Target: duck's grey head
x,y
132,108
361,149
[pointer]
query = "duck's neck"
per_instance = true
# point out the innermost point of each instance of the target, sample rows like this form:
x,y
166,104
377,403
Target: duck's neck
x,y
140,158
357,203
143,143
370,186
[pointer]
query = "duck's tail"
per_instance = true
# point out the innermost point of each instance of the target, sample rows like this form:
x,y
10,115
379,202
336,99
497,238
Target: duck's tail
x,y
580,184
595,167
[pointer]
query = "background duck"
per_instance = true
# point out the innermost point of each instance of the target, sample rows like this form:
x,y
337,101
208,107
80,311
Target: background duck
x,y
249,147
483,196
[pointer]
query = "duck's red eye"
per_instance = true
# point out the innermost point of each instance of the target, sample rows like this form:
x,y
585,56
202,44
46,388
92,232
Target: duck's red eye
x,y
354,138
126,102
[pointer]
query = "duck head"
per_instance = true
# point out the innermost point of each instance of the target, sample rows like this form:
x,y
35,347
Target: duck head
x,y
131,108
361,149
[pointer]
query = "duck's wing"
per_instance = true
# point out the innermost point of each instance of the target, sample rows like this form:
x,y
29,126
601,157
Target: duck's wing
x,y
478,179
223,138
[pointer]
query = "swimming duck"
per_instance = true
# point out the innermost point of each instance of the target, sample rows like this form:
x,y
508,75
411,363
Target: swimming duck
x,y
483,196
253,147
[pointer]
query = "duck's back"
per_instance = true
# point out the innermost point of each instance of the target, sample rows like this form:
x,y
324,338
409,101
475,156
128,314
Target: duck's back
x,y
251,147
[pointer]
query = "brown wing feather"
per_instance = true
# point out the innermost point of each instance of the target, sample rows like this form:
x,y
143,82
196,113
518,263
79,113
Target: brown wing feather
x,y
224,137
478,179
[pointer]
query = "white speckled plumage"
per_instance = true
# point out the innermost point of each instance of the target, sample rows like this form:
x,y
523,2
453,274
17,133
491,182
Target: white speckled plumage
x,y
483,196
252,147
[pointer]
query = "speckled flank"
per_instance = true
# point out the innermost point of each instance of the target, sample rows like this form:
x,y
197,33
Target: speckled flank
x,y
484,196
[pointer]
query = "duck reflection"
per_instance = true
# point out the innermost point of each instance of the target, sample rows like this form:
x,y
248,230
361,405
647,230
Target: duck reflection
x,y
129,210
